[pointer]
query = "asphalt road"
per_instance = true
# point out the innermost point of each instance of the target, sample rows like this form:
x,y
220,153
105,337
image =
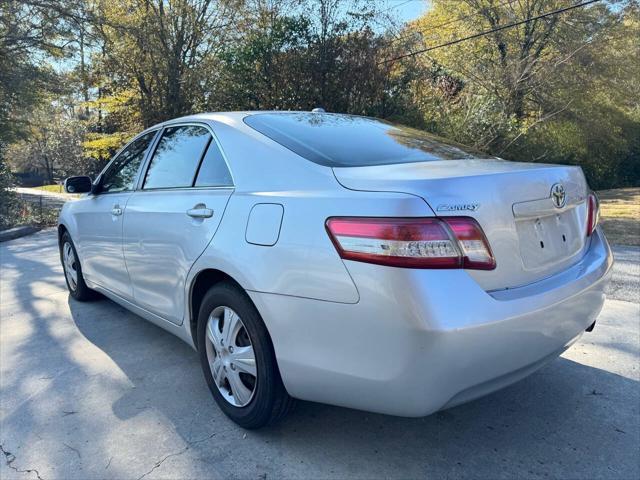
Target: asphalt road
x,y
625,282
92,391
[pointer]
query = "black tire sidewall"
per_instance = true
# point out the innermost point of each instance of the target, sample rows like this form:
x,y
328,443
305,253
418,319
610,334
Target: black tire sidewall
x,y
81,292
259,410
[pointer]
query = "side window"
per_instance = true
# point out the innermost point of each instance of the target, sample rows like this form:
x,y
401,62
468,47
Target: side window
x,y
121,175
177,156
213,170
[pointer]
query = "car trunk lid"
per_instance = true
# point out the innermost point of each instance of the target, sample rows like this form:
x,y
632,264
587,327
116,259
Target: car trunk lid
x,y
531,236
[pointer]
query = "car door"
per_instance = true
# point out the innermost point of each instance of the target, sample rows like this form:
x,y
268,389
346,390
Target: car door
x,y
173,215
99,219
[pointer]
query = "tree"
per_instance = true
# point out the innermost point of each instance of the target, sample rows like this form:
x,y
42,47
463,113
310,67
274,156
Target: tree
x,y
520,92
321,54
54,145
158,47
563,88
29,30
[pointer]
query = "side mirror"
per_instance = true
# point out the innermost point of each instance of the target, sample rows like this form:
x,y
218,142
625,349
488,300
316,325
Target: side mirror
x,y
78,185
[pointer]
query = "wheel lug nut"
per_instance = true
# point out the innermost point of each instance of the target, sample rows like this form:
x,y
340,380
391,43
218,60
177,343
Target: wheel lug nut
x,y
233,367
230,349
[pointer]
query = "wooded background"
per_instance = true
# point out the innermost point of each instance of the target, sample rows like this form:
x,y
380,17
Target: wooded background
x,y
78,78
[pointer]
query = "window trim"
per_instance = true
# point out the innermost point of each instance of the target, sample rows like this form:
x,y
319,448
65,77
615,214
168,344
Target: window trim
x,y
151,146
154,145
204,154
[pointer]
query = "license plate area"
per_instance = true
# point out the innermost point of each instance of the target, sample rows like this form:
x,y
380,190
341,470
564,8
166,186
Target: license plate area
x,y
549,239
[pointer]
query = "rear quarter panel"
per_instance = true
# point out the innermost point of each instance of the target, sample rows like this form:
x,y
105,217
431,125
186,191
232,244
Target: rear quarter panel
x,y
303,262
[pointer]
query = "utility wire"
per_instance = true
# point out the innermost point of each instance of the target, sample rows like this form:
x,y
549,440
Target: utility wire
x,y
487,32
450,22
398,5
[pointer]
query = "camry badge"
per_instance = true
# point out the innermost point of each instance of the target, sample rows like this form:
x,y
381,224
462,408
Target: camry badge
x,y
458,207
558,195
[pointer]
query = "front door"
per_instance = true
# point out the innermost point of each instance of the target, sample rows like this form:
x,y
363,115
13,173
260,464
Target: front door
x,y
173,216
99,220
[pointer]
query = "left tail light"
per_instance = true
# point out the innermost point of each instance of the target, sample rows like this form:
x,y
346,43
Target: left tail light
x,y
443,242
593,215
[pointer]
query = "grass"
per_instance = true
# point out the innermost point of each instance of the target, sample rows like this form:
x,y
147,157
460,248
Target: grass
x,y
56,189
51,188
620,215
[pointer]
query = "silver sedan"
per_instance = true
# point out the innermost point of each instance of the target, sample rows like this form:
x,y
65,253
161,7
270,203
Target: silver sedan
x,y
339,259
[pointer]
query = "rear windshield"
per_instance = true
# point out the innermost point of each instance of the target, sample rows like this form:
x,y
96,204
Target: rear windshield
x,y
337,140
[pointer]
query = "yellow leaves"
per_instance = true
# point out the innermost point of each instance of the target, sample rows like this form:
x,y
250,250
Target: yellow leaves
x,y
444,22
121,108
113,103
121,13
102,146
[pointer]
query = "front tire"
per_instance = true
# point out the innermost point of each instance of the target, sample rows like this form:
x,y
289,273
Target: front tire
x,y
238,359
73,270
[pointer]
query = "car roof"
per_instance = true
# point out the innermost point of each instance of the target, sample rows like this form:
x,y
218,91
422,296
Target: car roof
x,y
231,117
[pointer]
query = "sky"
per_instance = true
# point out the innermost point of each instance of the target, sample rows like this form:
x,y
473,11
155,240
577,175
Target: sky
x,y
407,10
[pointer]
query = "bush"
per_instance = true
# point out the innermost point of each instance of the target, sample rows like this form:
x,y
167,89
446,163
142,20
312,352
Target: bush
x,y
15,211
8,198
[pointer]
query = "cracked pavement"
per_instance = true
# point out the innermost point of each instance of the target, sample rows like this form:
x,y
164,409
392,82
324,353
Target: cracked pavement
x,y
89,390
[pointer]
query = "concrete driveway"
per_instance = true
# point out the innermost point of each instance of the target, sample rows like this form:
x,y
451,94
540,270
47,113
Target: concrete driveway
x,y
91,391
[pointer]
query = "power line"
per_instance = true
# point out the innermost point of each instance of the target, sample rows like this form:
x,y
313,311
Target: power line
x,y
450,22
487,32
397,5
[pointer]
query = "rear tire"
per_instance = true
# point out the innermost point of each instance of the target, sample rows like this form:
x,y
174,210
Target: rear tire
x,y
234,354
73,270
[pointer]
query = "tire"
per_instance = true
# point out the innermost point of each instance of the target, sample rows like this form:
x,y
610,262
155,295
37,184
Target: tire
x,y
77,287
268,401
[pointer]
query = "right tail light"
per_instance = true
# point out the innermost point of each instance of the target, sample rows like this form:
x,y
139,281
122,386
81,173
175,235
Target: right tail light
x,y
443,242
593,215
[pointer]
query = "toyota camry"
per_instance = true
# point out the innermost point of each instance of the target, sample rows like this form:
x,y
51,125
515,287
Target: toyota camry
x,y
339,259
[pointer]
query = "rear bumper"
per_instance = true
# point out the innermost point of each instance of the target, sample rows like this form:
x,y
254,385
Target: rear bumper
x,y
419,341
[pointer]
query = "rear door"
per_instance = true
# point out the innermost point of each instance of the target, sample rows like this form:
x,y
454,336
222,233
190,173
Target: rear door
x,y
173,216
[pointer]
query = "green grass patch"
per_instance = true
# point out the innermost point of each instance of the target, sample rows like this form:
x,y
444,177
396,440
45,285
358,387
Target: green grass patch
x,y
51,188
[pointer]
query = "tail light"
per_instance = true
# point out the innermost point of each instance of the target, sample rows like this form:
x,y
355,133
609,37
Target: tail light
x,y
593,215
443,242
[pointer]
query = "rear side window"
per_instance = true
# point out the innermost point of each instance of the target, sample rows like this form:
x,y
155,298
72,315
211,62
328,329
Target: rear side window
x,y
335,140
176,158
213,170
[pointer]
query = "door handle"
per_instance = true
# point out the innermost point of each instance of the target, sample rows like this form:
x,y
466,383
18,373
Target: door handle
x,y
116,210
200,211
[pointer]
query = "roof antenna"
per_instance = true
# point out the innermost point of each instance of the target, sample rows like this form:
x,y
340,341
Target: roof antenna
x,y
318,110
